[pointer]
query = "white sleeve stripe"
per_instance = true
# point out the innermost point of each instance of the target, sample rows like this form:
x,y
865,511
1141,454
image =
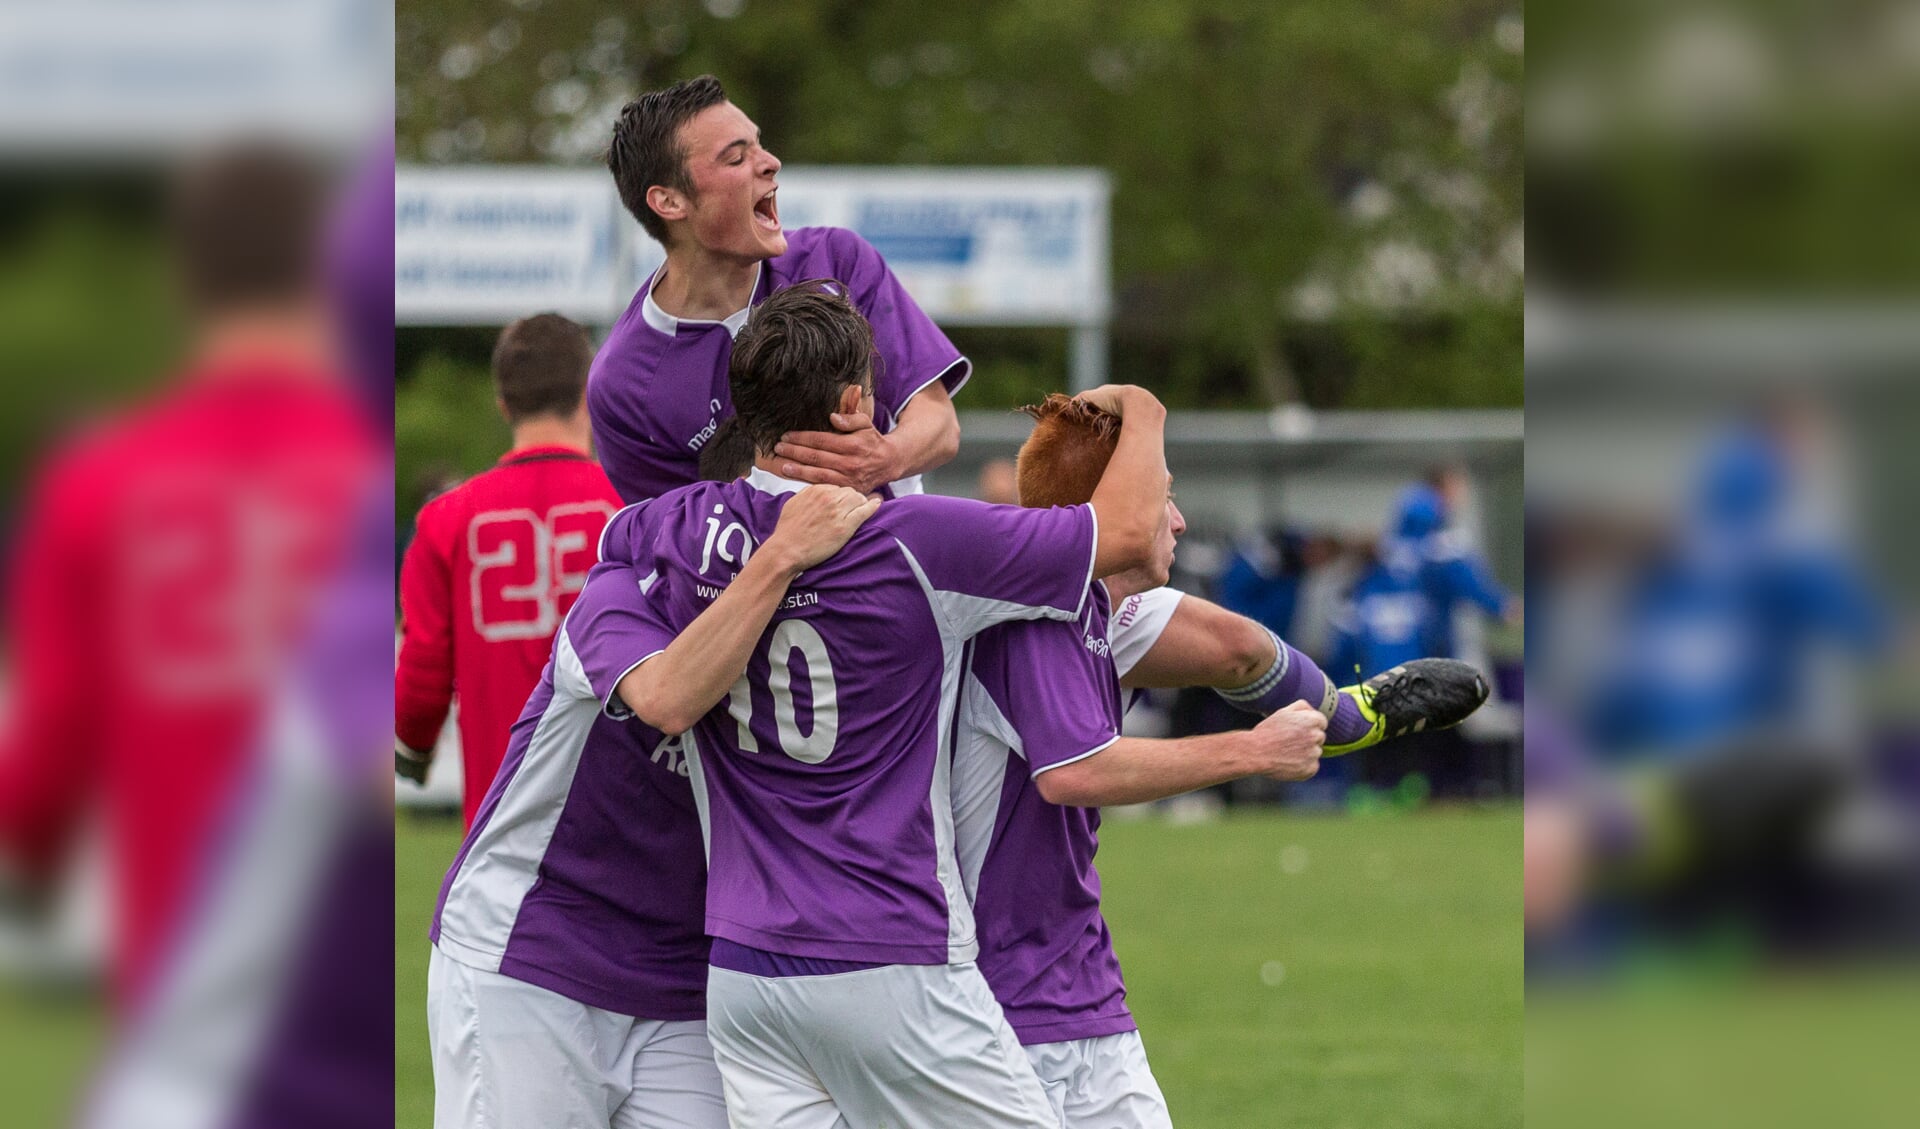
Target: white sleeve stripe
x,y
611,704
958,362
1092,558
1100,748
600,551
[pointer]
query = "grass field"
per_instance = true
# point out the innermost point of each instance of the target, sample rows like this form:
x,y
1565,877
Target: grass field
x,y
1286,971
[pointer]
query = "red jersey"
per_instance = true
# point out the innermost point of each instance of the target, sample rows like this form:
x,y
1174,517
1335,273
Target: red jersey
x,y
165,569
494,567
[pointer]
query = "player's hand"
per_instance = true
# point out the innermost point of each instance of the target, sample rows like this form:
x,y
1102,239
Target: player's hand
x,y
410,764
1114,398
856,456
816,522
1290,741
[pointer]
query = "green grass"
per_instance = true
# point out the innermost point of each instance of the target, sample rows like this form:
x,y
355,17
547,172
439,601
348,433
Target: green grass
x,y
49,1040
1286,970
423,848
1764,1049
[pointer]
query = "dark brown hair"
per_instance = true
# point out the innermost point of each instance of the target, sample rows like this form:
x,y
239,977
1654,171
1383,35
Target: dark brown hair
x,y
727,454
797,351
646,148
540,367
1060,464
246,222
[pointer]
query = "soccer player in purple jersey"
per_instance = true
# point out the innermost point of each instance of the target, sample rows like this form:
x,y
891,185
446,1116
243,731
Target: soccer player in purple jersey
x,y
842,987
1040,748
691,169
567,984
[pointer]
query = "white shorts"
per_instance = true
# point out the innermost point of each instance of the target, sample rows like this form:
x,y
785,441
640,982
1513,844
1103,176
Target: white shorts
x,y
1101,1083
905,1046
509,1055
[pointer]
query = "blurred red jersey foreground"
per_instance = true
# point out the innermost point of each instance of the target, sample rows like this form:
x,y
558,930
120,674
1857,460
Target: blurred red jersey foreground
x,y
199,615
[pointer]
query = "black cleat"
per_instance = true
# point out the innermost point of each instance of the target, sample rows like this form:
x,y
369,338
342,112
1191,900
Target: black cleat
x,y
1414,697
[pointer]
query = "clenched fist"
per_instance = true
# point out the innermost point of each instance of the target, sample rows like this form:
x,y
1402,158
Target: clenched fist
x,y
1290,739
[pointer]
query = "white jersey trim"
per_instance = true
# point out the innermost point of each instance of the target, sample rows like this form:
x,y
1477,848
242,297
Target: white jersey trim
x,y
980,758
1100,748
484,899
668,324
697,778
768,482
1131,634
1093,558
613,705
961,362
600,552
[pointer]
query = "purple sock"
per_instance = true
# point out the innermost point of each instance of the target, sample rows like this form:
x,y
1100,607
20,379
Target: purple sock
x,y
1294,677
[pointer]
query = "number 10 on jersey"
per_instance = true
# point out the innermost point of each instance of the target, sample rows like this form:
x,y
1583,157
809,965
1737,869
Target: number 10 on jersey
x,y
810,748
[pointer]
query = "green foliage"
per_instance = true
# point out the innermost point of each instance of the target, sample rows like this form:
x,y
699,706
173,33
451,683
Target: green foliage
x,y
88,318
445,425
1313,199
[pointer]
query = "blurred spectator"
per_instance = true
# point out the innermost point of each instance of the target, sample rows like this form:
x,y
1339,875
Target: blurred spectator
x,y
999,484
1402,608
1725,624
1329,570
1262,579
1403,604
498,561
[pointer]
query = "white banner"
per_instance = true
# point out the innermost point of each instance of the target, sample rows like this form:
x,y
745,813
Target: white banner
x,y
483,246
973,246
145,76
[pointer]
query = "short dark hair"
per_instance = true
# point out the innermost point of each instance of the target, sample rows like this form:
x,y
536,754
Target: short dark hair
x,y
246,224
1062,462
540,367
646,149
797,351
727,454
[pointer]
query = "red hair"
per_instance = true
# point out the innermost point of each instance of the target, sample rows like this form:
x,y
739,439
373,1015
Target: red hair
x,y
1062,461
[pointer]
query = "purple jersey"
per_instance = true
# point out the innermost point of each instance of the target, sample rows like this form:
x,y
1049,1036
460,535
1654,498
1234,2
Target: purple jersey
x,y
1038,696
658,388
582,873
823,778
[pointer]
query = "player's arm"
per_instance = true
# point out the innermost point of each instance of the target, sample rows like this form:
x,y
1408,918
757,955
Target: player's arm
x,y
423,675
1131,500
1134,770
926,435
1204,644
675,688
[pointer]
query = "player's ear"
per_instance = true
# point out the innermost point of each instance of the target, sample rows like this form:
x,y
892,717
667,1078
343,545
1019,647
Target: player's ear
x,y
500,405
850,397
666,203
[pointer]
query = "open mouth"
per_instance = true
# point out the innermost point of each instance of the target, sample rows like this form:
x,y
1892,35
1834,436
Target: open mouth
x,y
767,212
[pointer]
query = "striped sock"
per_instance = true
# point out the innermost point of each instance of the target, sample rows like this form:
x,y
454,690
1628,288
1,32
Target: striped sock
x,y
1294,677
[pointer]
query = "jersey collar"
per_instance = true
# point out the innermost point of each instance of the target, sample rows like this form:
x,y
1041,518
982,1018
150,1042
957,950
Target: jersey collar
x,y
769,483
543,451
666,323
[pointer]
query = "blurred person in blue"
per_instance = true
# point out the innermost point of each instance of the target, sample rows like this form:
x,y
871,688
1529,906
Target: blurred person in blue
x,y
1403,604
1725,791
1263,577
1728,627
1402,608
